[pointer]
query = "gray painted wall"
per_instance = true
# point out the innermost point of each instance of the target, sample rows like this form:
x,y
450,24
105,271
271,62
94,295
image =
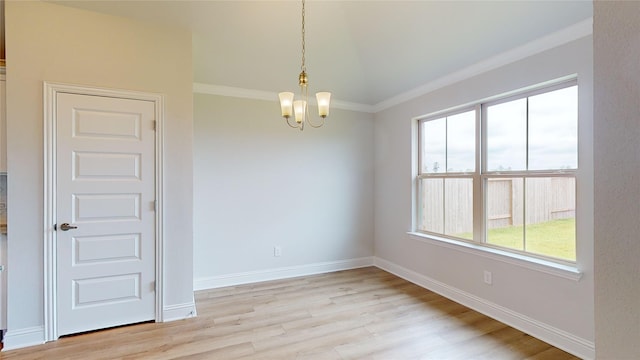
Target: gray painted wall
x,y
260,183
617,178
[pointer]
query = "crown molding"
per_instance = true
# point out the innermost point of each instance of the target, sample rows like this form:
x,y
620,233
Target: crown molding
x,y
561,37
211,89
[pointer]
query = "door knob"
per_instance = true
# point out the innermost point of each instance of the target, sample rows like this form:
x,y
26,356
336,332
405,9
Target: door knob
x,y
67,227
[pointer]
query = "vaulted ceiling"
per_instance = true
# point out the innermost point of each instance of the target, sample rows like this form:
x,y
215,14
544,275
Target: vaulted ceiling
x,y
364,52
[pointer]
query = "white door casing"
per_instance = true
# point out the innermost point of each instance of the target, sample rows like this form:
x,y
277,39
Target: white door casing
x,y
3,237
102,176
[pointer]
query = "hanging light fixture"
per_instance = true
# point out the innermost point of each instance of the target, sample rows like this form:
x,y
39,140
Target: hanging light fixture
x,y
300,108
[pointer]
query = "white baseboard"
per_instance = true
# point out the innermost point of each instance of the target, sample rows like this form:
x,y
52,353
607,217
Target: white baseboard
x,y
20,338
575,345
179,311
279,273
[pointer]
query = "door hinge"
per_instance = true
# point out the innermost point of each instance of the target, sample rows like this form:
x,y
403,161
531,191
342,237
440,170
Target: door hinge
x,y
2,267
153,124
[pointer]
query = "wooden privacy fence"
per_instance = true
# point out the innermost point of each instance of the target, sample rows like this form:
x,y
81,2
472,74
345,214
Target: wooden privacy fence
x,y
447,205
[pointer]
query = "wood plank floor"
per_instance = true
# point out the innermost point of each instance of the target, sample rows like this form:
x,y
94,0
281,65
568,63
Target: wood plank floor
x,y
356,314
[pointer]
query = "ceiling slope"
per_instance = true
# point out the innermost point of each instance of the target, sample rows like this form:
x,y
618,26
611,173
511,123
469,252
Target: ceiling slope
x,y
364,52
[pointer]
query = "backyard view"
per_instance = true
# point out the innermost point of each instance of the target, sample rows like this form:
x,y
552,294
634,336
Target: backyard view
x,y
535,215
555,238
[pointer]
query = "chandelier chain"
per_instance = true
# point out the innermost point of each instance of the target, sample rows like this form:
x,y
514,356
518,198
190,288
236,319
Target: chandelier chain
x,y
302,67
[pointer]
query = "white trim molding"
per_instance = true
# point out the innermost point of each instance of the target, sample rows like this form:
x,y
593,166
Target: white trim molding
x,y
210,89
50,332
575,345
561,37
527,262
20,338
180,311
279,273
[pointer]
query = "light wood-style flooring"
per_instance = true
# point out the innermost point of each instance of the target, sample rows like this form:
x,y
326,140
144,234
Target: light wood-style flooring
x,y
356,314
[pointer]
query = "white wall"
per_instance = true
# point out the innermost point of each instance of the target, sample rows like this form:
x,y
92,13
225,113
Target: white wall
x,y
47,42
549,303
617,178
260,183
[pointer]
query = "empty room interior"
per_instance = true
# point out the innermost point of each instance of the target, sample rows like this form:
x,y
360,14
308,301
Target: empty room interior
x,y
462,186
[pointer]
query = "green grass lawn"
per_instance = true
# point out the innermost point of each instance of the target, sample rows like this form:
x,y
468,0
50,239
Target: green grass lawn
x,y
555,238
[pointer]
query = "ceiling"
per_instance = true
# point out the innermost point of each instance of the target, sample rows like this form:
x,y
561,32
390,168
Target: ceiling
x,y
364,52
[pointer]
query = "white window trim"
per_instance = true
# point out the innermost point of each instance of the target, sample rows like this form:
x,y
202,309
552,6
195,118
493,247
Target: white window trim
x,y
529,262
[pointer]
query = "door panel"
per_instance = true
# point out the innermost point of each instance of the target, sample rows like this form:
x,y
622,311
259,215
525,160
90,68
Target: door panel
x,y
106,249
106,207
105,124
97,166
106,290
105,186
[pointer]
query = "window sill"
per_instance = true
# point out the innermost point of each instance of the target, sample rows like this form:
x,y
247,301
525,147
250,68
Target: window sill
x,y
528,262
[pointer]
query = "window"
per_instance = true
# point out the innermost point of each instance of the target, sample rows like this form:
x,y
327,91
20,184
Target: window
x,y
503,173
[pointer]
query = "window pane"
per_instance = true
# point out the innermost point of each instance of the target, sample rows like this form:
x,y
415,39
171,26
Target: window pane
x,y
553,130
551,217
431,205
507,136
461,142
458,208
434,135
505,212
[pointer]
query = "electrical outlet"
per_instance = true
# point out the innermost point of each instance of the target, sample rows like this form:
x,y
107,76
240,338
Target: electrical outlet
x,y
488,278
277,251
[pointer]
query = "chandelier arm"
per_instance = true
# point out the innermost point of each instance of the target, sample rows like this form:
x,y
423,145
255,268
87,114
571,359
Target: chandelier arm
x,y
315,125
296,126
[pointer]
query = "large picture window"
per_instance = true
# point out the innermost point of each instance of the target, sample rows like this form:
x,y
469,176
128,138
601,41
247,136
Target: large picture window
x,y
503,173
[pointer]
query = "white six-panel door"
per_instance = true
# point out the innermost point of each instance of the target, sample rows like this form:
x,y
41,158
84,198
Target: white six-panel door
x,y
105,192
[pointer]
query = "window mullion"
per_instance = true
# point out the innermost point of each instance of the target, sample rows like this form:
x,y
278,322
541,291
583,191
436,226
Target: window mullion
x,y
446,144
420,149
446,166
524,214
526,140
524,179
444,200
478,181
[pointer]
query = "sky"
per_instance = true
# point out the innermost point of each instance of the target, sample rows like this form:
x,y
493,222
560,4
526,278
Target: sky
x,y
552,139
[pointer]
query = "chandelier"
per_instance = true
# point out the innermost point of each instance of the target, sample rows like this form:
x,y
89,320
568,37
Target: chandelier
x,y
300,108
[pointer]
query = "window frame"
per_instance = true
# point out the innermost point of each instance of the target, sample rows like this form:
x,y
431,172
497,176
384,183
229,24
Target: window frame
x,y
481,175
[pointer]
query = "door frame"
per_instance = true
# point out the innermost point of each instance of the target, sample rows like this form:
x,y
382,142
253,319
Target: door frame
x,y
51,90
